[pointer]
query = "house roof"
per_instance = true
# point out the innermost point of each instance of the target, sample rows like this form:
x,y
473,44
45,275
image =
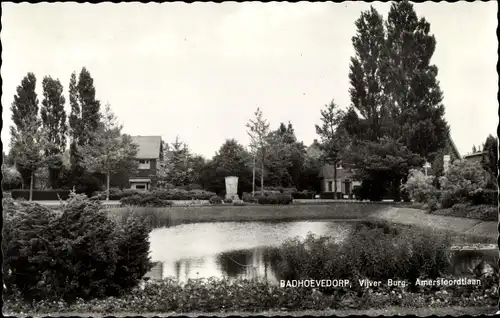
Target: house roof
x,y
454,147
149,146
472,155
328,172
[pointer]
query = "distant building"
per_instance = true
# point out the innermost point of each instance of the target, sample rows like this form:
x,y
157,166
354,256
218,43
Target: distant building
x,y
474,157
149,157
346,181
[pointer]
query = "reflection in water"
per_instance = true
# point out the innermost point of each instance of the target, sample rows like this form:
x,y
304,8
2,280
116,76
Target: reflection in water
x,y
241,250
228,249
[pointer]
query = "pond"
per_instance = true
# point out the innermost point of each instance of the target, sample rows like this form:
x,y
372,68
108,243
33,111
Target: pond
x,y
228,249
238,249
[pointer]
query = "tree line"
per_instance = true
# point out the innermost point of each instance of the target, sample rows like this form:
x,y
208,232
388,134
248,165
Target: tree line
x,y
395,122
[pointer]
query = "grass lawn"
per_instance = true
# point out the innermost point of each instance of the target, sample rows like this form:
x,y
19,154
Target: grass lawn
x,y
171,216
392,311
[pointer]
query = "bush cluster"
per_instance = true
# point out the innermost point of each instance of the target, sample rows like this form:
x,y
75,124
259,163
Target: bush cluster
x,y
114,194
145,200
279,199
79,252
377,251
41,195
484,196
465,210
214,295
420,187
215,200
179,194
303,195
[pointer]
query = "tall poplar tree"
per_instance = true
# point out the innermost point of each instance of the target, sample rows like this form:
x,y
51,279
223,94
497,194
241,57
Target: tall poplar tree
x,y
411,82
25,117
84,121
54,123
366,74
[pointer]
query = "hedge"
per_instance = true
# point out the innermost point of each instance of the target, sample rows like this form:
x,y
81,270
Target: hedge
x,y
303,195
144,200
487,197
41,195
330,195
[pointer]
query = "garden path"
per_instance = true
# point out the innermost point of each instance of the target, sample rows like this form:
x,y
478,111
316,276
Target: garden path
x,y
422,218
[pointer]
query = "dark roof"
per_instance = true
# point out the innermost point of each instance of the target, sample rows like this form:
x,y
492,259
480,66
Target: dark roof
x,y
453,147
328,172
472,155
149,146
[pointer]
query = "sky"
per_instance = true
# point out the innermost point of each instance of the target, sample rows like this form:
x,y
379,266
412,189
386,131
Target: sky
x,y
199,71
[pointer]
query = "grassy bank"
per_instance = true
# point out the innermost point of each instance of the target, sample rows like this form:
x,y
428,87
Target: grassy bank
x,y
171,216
476,212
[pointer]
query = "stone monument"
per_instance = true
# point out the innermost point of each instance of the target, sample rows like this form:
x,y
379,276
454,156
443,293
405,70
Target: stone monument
x,y
232,188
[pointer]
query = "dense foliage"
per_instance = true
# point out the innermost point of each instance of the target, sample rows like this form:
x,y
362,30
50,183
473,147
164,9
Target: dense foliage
x,y
373,250
462,180
420,187
78,252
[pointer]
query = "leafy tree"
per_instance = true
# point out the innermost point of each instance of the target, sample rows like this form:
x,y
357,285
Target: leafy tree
x,y
366,74
278,160
176,169
197,164
54,123
84,122
258,131
24,115
461,180
285,157
75,123
89,105
309,178
29,147
411,82
333,137
110,151
230,160
11,178
490,160
383,164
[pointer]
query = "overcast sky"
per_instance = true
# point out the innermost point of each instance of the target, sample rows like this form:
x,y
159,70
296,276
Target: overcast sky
x,y
200,70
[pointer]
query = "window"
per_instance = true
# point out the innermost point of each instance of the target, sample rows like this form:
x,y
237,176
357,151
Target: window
x,y
140,187
144,164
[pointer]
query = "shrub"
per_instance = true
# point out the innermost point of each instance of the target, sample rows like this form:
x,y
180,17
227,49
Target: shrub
x,y
228,200
462,179
478,212
484,196
11,178
449,199
145,200
376,251
303,195
180,194
215,200
77,253
41,195
115,194
248,197
280,199
420,187
239,203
